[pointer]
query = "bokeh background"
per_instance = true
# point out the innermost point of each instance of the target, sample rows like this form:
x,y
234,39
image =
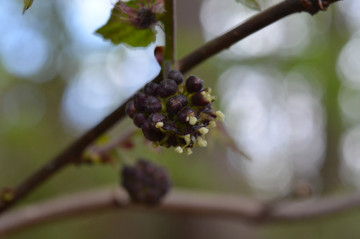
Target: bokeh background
x,y
290,93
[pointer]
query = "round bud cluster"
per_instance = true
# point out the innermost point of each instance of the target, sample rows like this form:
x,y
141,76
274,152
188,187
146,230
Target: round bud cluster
x,y
145,182
175,113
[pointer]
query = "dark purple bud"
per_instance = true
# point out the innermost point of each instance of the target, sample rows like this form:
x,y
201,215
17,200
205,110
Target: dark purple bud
x,y
139,101
172,141
207,109
139,119
184,115
192,129
176,103
153,104
130,109
155,118
151,88
151,134
176,76
171,126
145,182
206,113
199,99
194,84
167,88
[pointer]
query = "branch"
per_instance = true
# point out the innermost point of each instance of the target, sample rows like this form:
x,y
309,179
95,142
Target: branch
x,y
75,150
252,25
178,202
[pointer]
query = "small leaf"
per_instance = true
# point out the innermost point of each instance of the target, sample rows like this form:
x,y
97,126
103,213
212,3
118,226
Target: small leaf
x,y
27,4
253,4
119,31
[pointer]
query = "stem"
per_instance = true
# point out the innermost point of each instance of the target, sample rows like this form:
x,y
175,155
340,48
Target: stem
x,y
75,150
170,31
179,202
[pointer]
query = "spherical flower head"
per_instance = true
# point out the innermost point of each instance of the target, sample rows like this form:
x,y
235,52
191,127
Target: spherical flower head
x,y
145,182
141,14
177,113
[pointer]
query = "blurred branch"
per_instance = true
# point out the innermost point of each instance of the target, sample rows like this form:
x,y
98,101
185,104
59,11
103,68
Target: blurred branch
x,y
102,153
74,151
250,26
179,202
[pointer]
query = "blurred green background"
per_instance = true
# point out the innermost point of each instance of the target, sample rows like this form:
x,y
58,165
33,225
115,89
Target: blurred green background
x,y
290,94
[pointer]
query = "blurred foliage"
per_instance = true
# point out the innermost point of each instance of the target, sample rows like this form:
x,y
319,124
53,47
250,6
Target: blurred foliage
x,y
250,3
122,25
34,128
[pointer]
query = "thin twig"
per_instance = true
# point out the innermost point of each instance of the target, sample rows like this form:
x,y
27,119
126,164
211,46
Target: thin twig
x,y
102,153
114,143
179,202
75,150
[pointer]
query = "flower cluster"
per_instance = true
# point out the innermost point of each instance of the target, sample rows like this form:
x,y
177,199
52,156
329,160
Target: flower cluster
x,y
145,182
174,113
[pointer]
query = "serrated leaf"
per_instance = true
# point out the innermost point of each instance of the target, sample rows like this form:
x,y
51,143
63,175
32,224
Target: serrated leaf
x,y
118,31
27,4
253,4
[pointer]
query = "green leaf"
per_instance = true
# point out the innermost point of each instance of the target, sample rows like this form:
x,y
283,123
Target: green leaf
x,y
27,4
253,4
118,31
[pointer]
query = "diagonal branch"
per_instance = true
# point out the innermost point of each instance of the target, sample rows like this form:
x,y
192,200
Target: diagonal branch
x,y
179,202
250,26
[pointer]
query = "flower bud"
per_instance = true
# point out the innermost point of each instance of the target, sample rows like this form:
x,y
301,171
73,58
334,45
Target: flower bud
x,y
171,127
154,119
167,88
194,84
139,101
176,76
139,119
151,88
176,103
153,104
185,114
150,133
171,141
130,109
199,99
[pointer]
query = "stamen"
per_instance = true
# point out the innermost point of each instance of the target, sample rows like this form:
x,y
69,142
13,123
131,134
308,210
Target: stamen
x,y
187,139
188,151
192,120
220,115
179,150
159,125
203,131
201,142
212,124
